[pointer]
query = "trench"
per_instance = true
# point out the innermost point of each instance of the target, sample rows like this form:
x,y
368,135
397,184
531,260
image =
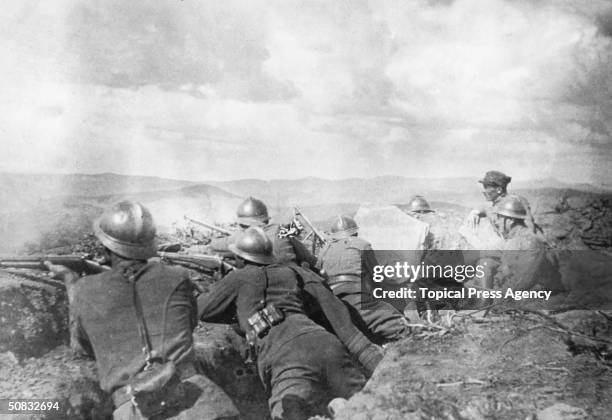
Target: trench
x,y
37,363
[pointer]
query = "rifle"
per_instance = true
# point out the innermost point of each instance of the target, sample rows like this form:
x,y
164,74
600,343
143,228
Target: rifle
x,y
313,230
208,264
208,226
77,263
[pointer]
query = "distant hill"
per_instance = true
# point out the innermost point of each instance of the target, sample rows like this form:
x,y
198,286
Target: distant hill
x,y
61,207
28,189
384,189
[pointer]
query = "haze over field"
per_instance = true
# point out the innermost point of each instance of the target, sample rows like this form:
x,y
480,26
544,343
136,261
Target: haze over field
x,y
49,208
208,90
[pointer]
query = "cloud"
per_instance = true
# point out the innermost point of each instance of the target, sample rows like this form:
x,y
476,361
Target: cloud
x,y
169,44
283,88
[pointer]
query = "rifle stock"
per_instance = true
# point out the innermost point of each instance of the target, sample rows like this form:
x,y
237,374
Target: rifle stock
x,y
208,226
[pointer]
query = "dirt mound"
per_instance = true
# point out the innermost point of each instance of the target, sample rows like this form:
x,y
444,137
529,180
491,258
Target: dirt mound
x,y
578,221
59,376
34,313
493,368
219,350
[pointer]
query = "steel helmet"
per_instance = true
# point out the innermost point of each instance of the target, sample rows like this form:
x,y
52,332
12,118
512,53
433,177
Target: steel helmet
x,y
252,212
512,207
418,204
343,226
127,229
254,245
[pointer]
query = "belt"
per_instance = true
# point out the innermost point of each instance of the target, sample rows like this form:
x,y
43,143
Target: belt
x,y
340,279
185,370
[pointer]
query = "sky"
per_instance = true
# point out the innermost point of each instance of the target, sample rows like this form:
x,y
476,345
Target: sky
x,y
209,90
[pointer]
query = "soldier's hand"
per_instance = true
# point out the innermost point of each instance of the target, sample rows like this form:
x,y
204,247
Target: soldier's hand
x,y
61,272
473,219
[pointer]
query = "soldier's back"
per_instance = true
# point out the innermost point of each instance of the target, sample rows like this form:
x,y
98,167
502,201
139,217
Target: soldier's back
x,y
343,256
104,307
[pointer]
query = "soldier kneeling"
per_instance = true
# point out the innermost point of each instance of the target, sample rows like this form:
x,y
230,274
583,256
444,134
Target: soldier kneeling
x,y
137,321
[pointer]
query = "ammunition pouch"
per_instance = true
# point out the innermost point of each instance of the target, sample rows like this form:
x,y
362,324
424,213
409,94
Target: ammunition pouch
x,y
155,389
264,319
151,379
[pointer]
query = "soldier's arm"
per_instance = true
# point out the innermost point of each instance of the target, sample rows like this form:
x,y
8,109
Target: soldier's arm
x,y
475,215
368,354
184,296
79,342
302,254
221,245
219,306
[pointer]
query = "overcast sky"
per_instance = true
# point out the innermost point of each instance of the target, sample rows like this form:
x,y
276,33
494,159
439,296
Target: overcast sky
x,y
221,90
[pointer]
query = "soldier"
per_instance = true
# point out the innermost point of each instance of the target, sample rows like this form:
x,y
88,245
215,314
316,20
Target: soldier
x,y
303,365
522,261
419,208
105,322
441,248
341,260
495,185
253,212
419,205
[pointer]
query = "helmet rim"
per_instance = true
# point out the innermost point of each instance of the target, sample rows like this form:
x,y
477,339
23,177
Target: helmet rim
x,y
123,248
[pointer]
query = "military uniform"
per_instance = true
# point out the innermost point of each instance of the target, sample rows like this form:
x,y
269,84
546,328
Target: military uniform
x,y
488,211
300,363
341,259
104,325
285,249
527,263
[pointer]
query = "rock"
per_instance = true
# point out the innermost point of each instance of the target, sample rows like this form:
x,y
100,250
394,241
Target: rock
x,y
8,359
34,313
219,351
336,405
562,411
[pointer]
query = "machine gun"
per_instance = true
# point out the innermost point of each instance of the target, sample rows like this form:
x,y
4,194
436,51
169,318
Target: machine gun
x,y
211,266
317,236
77,263
208,226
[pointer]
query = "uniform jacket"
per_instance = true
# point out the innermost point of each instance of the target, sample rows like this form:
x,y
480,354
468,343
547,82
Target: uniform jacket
x,y
343,257
524,262
104,324
298,293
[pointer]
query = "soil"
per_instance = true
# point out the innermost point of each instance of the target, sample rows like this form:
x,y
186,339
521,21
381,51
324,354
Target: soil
x,y
498,367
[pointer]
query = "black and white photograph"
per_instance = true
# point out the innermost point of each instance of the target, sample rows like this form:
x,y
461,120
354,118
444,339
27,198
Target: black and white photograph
x,y
306,209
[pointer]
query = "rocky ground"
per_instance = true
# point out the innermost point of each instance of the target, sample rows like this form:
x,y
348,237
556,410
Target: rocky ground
x,y
494,367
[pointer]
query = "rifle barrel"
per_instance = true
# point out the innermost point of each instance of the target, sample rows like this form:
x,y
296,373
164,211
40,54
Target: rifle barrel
x,y
74,262
209,226
210,262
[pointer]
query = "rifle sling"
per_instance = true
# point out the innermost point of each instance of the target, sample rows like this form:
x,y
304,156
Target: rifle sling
x,y
142,325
